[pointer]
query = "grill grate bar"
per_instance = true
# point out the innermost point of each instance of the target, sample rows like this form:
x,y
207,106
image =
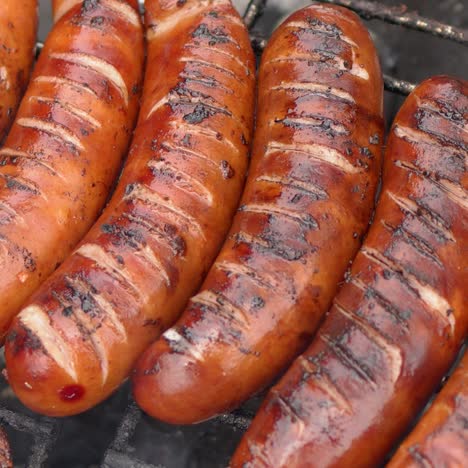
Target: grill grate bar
x,y
253,12
400,16
44,433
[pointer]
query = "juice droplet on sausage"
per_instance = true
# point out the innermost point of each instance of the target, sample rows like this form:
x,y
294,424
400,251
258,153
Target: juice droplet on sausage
x,y
71,393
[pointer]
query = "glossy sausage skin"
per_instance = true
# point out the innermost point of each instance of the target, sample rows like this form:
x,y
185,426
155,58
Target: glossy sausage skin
x,y
65,147
440,439
396,325
306,206
18,28
133,273
61,7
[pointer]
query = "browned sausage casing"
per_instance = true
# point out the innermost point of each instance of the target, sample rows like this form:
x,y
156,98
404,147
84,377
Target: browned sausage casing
x,y
397,324
307,203
18,28
440,439
134,272
65,147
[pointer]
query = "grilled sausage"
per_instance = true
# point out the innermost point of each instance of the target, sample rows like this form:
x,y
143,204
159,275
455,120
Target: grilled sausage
x,y
440,439
130,278
306,205
65,146
397,324
61,7
18,28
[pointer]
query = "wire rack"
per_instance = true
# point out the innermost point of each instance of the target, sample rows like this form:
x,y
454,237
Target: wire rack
x,y
122,451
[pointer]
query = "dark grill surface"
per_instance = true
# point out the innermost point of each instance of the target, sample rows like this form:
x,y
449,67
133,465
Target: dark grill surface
x,y
116,434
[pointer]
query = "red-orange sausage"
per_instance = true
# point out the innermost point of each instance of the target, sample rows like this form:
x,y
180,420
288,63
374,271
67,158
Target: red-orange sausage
x,y
65,147
396,325
18,28
133,273
306,205
440,439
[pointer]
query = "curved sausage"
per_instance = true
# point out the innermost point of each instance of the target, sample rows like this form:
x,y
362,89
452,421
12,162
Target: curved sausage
x,y
396,325
65,147
130,278
307,203
440,439
18,28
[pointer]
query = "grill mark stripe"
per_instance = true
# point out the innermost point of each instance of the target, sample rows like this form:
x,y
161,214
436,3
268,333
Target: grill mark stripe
x,y
55,130
209,82
11,153
176,340
67,82
22,184
385,303
426,293
204,63
314,122
420,245
192,182
146,195
392,352
88,332
419,137
106,262
36,320
409,206
205,132
152,231
436,108
123,10
348,360
317,88
308,187
99,66
225,53
222,305
148,255
10,212
324,383
105,306
71,109
170,21
246,271
189,152
270,209
453,191
317,56
290,411
318,152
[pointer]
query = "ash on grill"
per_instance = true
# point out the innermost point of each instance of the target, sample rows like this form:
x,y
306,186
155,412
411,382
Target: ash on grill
x,y
116,433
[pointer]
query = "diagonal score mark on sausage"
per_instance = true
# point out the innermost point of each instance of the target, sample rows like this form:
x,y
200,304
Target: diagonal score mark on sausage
x,y
105,261
70,108
35,319
99,66
392,352
426,293
317,88
57,131
146,195
315,151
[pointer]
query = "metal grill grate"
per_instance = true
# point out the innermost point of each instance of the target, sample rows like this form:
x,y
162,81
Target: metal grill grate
x,y
134,435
